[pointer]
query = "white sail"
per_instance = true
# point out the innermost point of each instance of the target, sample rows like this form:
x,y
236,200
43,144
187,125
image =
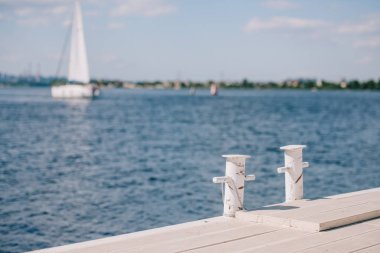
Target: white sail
x,y
78,65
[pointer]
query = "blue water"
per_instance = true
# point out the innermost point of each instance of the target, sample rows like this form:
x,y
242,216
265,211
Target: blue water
x,y
136,159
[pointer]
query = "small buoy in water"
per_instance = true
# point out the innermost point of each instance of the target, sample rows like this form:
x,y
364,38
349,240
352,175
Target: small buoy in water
x,y
214,89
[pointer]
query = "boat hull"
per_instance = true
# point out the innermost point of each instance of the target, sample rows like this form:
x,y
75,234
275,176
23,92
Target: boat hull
x,y
74,91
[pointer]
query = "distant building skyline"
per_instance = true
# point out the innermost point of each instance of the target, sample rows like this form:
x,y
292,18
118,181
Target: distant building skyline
x,y
198,40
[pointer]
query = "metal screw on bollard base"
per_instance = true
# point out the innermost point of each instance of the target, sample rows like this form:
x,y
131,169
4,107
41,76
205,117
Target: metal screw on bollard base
x,y
293,170
234,183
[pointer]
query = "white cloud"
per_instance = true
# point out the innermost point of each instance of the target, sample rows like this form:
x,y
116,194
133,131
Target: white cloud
x,y
371,42
370,25
116,25
32,2
56,10
50,10
35,21
33,12
276,23
144,8
24,11
280,4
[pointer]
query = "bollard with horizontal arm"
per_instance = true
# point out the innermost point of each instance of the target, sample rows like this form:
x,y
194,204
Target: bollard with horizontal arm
x,y
234,183
293,170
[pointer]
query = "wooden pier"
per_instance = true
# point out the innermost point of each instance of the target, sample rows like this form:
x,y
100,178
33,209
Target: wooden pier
x,y
342,223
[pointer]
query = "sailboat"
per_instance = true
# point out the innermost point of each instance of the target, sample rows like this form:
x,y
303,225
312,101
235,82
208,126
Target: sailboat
x,y
78,85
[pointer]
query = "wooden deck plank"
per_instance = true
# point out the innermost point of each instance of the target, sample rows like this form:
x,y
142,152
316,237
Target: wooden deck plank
x,y
329,205
281,235
278,221
329,213
375,222
351,244
186,244
350,215
314,239
371,249
152,236
304,204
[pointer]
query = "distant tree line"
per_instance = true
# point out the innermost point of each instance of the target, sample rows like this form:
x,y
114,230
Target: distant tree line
x,y
311,84
247,84
306,84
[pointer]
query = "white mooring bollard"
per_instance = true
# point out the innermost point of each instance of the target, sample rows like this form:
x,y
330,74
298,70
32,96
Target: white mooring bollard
x,y
293,170
234,183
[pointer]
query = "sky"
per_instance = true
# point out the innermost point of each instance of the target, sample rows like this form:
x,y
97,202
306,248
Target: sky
x,y
262,40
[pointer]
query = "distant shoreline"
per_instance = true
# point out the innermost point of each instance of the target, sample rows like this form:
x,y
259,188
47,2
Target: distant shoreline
x,y
204,88
292,84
